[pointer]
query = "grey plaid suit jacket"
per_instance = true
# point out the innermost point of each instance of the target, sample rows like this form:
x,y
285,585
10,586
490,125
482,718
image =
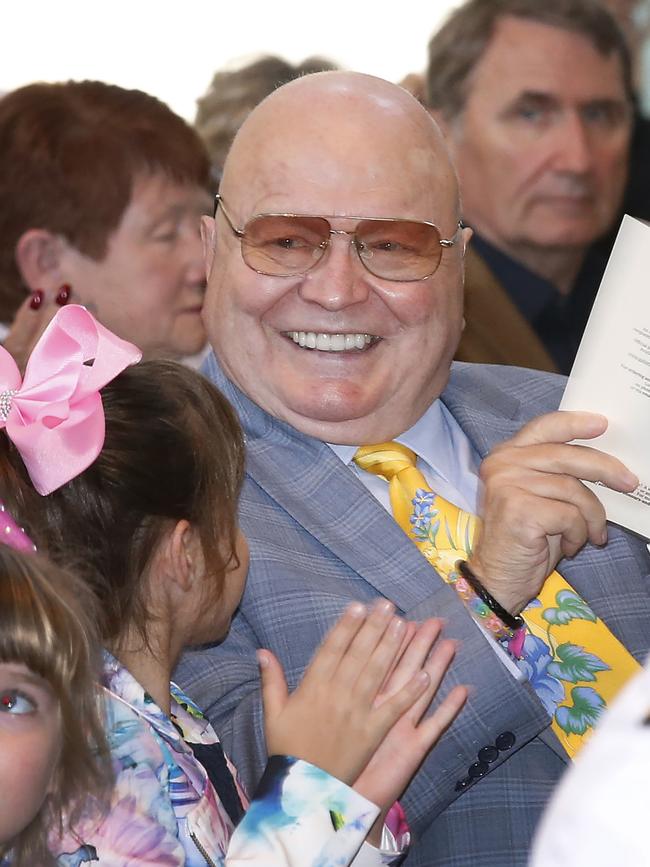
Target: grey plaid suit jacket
x,y
318,539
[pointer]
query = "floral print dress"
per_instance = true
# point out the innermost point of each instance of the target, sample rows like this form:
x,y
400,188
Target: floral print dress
x,y
165,811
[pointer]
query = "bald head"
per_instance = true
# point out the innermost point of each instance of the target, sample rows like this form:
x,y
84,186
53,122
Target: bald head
x,y
335,348
341,121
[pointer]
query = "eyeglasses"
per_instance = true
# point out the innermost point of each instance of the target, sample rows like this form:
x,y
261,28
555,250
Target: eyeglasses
x,y
287,245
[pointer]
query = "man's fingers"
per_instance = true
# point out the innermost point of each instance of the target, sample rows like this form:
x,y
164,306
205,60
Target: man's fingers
x,y
560,427
576,461
543,495
274,685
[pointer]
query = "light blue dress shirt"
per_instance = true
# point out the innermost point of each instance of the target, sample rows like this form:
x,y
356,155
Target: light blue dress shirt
x,y
450,465
446,458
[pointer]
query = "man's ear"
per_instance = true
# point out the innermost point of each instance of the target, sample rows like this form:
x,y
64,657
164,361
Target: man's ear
x,y
38,257
184,556
209,239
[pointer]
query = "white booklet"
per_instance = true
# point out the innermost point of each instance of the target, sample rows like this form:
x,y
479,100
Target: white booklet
x,y
611,373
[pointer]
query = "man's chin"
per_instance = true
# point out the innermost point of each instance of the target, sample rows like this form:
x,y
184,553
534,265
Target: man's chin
x,y
324,416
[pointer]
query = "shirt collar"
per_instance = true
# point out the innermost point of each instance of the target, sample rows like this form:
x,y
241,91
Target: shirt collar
x,y
186,718
430,438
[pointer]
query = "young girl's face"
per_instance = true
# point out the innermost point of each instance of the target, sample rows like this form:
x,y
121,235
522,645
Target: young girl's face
x,y
30,746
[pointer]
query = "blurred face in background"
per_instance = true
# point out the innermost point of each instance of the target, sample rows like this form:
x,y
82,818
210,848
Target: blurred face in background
x,y
541,145
149,286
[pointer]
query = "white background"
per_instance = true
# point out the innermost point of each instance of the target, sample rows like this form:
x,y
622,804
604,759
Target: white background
x,y
171,48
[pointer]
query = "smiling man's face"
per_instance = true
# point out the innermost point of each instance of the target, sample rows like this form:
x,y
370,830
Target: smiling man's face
x,y
338,353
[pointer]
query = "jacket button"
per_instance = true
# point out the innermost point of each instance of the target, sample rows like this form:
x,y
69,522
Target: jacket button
x,y
461,785
505,741
488,754
478,770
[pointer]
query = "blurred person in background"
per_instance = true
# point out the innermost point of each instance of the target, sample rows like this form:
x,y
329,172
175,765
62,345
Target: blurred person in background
x,y
536,102
234,93
101,191
634,18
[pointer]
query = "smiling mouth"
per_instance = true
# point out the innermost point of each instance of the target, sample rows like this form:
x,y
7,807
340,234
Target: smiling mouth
x,y
332,342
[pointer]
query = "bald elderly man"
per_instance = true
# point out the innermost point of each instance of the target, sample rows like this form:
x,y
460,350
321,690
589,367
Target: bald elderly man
x,y
334,329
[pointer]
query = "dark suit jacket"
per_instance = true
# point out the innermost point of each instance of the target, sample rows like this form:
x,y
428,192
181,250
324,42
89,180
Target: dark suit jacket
x,y
319,539
495,331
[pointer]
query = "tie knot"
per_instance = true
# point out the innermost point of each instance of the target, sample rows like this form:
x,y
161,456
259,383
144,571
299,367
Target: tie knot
x,y
385,459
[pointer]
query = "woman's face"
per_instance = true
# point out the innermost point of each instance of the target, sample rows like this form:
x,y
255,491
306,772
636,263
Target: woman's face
x,y
30,746
149,287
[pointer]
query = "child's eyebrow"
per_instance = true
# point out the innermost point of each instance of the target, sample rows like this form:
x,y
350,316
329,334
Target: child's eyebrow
x,y
27,675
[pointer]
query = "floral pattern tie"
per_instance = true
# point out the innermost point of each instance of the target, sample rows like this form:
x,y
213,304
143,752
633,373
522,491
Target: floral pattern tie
x,y
571,659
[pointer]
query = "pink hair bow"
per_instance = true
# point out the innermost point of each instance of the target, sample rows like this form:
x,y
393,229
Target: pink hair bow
x,y
55,416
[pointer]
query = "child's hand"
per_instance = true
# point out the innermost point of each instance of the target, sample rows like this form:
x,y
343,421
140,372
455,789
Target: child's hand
x,y
334,718
397,759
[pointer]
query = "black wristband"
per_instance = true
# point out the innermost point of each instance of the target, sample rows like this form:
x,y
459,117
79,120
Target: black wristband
x,y
512,621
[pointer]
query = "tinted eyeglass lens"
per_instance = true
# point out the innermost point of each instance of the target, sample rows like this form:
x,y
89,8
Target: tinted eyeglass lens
x,y
284,246
400,249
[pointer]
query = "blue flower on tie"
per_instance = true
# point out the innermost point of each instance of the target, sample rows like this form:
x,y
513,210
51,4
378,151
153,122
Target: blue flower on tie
x,y
421,510
423,514
423,498
420,523
537,658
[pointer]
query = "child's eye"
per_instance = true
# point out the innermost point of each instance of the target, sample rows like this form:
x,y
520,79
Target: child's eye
x,y
14,701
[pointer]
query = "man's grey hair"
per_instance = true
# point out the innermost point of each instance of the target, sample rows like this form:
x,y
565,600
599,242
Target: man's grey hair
x,y
456,49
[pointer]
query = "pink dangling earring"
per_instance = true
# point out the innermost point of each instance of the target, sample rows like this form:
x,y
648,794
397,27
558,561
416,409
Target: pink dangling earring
x,y
63,295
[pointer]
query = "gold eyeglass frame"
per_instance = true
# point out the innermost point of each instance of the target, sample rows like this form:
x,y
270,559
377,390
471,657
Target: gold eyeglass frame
x,y
241,234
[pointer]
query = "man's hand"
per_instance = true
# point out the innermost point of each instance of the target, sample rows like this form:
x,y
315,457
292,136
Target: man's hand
x,y
535,509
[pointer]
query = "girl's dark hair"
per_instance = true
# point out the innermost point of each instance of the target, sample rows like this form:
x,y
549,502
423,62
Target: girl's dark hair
x,y
47,623
173,450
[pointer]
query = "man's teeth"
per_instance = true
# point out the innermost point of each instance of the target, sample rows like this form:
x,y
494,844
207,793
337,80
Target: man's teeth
x,y
330,342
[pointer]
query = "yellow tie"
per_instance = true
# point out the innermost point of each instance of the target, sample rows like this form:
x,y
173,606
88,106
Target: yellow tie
x,y
572,660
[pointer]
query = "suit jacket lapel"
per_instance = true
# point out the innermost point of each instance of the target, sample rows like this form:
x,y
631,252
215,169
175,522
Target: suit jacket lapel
x,y
322,495
311,484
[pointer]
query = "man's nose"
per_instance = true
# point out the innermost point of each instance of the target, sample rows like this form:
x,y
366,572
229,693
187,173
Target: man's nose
x,y
574,146
339,279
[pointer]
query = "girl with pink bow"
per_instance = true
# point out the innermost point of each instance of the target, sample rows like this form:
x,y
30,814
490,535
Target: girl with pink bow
x,y
138,486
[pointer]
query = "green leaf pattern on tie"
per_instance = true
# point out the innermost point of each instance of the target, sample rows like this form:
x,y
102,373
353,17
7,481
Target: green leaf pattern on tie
x,y
553,665
584,712
569,607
